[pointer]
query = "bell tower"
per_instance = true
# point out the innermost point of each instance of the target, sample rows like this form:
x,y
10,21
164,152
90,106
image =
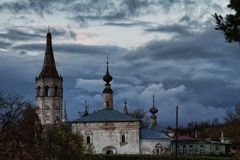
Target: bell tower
x,y
48,86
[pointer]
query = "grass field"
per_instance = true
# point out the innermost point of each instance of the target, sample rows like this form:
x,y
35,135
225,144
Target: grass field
x,y
150,157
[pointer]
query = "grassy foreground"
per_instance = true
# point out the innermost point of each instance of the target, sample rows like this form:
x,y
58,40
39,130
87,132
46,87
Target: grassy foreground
x,y
150,157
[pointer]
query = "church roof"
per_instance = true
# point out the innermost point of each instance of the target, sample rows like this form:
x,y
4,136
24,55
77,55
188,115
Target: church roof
x,y
105,115
150,134
161,129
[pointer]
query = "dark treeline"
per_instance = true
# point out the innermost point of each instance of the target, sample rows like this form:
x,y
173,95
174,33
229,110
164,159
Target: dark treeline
x,y
23,137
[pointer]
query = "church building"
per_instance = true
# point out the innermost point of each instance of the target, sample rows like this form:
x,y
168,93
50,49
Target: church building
x,y
105,131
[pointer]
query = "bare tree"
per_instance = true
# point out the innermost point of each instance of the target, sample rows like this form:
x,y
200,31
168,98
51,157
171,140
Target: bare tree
x,y
11,108
141,115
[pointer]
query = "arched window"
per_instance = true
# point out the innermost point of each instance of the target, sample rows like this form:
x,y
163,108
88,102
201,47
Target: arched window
x,y
123,139
88,140
56,91
47,91
158,149
38,91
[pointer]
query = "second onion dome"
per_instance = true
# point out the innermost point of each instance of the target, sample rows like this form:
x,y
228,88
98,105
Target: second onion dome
x,y
107,77
153,110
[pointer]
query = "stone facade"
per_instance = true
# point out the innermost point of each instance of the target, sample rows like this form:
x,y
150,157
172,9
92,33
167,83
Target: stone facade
x,y
110,137
49,100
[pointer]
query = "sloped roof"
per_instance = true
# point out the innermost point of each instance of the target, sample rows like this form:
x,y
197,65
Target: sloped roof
x,y
150,134
49,69
161,129
105,115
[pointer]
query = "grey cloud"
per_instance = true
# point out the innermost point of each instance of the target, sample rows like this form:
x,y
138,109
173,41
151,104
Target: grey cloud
x,y
124,24
21,34
85,11
73,48
41,7
4,44
22,52
188,47
174,28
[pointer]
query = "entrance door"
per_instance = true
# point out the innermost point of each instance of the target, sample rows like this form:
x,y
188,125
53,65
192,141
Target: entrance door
x,y
109,150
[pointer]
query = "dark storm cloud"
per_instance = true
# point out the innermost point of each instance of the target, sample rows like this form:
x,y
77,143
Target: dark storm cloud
x,y
73,48
22,34
19,35
209,44
22,52
174,28
128,24
4,45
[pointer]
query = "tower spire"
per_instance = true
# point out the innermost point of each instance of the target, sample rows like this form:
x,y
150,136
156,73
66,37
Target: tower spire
x,y
65,119
107,91
125,110
49,68
153,110
86,108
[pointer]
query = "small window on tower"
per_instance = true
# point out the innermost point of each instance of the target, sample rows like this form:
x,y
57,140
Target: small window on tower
x,y
38,91
47,91
123,139
88,140
56,91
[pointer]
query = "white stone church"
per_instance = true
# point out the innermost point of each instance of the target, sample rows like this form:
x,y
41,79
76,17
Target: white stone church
x,y
107,130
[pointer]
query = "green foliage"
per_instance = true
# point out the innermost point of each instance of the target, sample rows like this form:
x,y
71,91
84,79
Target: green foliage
x,y
152,157
230,25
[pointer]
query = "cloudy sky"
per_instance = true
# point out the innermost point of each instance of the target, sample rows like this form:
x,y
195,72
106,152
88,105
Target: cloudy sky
x,y
165,47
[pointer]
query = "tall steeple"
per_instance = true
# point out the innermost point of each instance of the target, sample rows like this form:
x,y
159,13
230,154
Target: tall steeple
x,y
153,110
49,68
65,119
125,109
86,109
49,89
107,91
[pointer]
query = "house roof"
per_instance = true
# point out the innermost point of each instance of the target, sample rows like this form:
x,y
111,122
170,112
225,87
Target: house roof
x,y
150,134
105,115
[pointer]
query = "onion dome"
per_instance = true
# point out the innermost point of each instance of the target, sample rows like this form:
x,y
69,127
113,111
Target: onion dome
x,y
153,110
107,77
107,90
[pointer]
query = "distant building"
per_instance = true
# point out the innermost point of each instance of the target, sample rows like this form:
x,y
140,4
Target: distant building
x,y
193,146
106,131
